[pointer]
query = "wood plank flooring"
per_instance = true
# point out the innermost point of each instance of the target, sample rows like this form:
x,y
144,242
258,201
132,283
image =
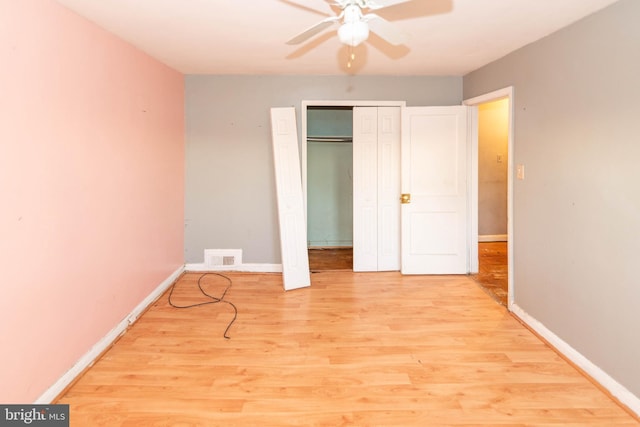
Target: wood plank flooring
x,y
329,259
493,271
354,349
492,274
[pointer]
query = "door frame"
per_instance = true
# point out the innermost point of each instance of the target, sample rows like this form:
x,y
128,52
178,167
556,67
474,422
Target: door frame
x,y
329,103
508,93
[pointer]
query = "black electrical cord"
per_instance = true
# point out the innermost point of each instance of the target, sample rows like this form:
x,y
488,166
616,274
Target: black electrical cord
x,y
214,300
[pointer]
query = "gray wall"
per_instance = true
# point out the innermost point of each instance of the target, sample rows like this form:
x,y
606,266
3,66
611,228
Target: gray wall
x,y
230,191
577,213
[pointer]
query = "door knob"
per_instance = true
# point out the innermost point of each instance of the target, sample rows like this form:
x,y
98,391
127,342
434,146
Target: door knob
x,y
405,198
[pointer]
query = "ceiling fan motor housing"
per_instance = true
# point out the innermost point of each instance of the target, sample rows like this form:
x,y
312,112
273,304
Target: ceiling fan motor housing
x,y
354,25
354,29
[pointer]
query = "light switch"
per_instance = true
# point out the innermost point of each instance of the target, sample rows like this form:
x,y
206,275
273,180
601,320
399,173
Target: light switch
x,y
520,172
499,158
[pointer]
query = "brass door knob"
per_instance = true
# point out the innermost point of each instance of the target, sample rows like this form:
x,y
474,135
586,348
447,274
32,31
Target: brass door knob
x,y
405,198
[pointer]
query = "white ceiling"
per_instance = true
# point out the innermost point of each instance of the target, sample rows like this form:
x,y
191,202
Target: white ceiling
x,y
447,37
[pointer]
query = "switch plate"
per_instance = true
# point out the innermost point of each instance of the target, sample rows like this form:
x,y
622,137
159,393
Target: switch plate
x,y
520,172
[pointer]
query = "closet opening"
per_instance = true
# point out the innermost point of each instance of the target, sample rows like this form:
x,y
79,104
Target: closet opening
x,y
355,181
329,179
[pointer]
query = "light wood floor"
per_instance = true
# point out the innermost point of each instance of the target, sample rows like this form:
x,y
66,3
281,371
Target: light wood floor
x,y
354,349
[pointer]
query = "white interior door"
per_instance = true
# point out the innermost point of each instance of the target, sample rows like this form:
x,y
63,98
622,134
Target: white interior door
x,y
434,175
376,188
293,229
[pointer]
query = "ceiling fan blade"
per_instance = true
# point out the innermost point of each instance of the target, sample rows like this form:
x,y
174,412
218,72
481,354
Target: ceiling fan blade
x,y
385,29
342,3
312,31
303,7
379,4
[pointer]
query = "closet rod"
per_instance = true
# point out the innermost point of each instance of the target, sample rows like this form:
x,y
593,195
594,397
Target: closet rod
x,y
330,139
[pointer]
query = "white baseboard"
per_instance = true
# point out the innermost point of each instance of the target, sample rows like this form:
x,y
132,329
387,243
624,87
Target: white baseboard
x,y
89,358
492,238
612,386
247,268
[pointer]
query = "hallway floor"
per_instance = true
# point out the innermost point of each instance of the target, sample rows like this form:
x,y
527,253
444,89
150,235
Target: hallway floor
x,y
492,276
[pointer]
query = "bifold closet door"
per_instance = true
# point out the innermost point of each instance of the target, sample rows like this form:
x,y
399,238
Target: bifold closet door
x,y
293,229
376,188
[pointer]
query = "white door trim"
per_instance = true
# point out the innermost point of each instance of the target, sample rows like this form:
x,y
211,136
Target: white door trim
x,y
507,92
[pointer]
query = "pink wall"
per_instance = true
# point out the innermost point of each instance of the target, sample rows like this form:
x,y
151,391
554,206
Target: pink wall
x,y
91,188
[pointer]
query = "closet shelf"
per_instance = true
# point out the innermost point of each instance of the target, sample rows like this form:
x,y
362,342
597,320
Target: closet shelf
x,y
329,138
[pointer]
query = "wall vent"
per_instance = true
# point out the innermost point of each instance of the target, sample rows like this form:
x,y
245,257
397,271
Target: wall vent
x,y
220,258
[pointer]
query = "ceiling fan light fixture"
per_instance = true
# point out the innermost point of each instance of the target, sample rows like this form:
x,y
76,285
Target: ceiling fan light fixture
x,y
353,33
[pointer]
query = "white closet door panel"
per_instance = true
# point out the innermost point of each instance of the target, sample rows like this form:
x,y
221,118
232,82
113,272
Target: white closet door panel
x,y
293,229
388,188
365,195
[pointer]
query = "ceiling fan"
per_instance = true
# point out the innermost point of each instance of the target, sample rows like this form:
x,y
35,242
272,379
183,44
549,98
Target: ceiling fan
x,y
355,24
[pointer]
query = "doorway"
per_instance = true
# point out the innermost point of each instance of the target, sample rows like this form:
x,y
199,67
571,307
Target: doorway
x,y
493,141
492,152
